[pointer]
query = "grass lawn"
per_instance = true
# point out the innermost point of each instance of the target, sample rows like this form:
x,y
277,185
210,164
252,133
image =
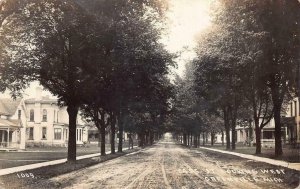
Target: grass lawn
x,y
94,148
43,154
291,155
28,179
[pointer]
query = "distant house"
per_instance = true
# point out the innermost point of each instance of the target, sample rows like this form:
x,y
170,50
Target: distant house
x,y
38,121
290,125
290,128
48,123
12,123
291,121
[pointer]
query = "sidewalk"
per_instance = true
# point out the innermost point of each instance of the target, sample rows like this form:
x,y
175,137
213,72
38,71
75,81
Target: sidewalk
x,y
294,166
48,163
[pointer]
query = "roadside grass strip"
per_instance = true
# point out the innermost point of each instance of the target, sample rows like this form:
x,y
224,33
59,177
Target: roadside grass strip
x,y
294,166
47,163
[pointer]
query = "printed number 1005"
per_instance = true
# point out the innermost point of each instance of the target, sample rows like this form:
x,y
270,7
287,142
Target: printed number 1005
x,y
25,175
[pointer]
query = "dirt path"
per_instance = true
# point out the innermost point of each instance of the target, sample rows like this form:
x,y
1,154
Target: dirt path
x,y
167,165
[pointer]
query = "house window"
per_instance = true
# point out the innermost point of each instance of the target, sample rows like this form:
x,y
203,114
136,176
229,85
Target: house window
x,y
268,134
57,134
19,114
30,133
44,133
31,115
44,115
79,134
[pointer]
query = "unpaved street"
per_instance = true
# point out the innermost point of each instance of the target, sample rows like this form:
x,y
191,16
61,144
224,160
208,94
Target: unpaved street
x,y
169,165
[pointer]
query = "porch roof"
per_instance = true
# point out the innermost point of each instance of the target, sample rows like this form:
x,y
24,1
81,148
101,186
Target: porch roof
x,y
67,125
4,123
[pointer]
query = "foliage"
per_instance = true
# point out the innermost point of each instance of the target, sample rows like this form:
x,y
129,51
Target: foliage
x,y
246,59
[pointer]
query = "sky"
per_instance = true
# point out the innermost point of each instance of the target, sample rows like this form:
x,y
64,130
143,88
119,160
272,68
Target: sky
x,y
187,18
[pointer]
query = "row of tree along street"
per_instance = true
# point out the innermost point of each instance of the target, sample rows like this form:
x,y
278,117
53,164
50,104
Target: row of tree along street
x,y
246,69
102,57
105,58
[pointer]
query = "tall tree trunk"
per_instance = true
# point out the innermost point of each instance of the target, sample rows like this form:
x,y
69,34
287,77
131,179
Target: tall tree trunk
x,y
222,138
191,143
113,134
144,138
151,138
250,133
203,137
195,140
258,136
278,145
227,128
121,129
102,131
277,100
233,125
99,138
233,137
148,137
212,138
72,111
140,139
184,139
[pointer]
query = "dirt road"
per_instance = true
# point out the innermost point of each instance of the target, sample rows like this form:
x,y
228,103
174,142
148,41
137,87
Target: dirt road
x,y
169,165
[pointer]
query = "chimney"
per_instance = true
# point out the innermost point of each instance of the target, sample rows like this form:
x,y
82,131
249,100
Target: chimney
x,y
38,93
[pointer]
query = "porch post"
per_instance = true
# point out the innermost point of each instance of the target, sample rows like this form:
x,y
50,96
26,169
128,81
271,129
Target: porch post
x,y
22,138
8,138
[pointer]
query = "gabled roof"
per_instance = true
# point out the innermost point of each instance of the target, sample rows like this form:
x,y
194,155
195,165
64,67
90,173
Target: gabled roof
x,y
8,106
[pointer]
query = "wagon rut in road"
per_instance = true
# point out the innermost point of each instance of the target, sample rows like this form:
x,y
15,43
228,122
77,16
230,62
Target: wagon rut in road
x,y
164,165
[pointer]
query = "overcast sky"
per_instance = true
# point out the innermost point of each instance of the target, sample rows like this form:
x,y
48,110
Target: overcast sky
x,y
187,18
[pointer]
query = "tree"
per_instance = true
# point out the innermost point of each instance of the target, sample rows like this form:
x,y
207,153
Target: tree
x,y
282,54
239,18
245,36
97,115
187,113
7,9
221,61
50,41
136,53
135,60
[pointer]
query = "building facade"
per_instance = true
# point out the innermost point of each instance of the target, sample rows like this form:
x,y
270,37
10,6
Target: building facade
x,y
292,121
38,121
290,128
12,123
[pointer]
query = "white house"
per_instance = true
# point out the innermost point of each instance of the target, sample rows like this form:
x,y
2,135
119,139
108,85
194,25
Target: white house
x,y
48,123
38,121
291,121
12,123
290,128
